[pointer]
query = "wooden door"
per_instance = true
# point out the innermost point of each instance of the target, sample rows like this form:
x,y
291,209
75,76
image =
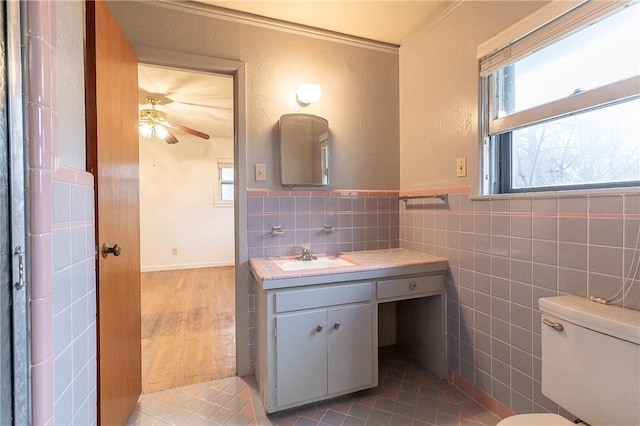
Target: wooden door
x,y
112,158
301,356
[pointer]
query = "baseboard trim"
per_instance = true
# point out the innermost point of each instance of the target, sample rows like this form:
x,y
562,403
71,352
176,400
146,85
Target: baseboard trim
x,y
156,268
478,395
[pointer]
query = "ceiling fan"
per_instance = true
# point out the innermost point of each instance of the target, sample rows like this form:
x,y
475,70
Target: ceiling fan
x,y
154,122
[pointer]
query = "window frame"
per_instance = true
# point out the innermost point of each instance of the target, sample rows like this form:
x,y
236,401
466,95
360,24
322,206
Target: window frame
x,y
224,163
495,133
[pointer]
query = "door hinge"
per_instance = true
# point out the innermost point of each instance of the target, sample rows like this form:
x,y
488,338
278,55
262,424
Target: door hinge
x,y
21,281
275,332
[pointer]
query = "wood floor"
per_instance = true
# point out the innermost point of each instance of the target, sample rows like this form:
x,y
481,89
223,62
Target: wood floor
x,y
188,327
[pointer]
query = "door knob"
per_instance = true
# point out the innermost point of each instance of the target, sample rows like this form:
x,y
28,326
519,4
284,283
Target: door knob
x,y
115,250
319,328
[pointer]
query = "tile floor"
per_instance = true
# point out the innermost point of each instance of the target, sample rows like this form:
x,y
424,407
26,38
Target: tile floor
x,y
406,395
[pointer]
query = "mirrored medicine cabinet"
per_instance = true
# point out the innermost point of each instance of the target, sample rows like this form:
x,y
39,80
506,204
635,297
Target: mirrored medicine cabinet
x,y
304,151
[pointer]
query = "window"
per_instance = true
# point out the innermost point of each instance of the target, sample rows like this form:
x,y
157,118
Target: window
x,y
225,181
561,105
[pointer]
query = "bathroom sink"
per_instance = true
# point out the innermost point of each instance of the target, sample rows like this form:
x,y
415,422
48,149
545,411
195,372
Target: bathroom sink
x,y
319,263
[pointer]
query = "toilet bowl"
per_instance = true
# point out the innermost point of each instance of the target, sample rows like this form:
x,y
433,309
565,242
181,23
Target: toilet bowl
x,y
537,419
590,363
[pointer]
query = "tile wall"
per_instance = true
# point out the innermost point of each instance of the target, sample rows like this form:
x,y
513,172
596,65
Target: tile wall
x,y
361,220
61,237
40,101
74,299
505,254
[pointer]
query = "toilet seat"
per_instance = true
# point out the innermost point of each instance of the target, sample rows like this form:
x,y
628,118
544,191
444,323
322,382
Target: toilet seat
x,y
536,419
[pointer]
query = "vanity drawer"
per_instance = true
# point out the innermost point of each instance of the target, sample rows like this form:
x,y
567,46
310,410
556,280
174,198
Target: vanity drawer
x,y
293,300
410,287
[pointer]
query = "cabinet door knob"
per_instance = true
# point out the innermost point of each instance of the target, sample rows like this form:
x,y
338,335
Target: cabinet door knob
x,y
319,328
413,285
336,325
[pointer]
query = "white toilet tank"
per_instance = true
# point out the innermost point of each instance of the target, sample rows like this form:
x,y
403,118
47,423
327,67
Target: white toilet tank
x,y
592,366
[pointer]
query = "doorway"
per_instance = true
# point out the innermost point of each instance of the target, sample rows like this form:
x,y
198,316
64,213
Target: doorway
x,y
186,228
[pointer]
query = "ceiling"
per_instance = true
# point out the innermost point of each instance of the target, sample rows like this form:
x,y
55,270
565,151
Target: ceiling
x,y
386,21
193,99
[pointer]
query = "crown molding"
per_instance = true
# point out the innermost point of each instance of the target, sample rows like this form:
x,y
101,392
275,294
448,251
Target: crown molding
x,y
431,23
272,24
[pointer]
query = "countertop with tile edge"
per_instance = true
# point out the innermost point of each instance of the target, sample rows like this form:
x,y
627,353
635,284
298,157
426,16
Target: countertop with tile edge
x,y
368,264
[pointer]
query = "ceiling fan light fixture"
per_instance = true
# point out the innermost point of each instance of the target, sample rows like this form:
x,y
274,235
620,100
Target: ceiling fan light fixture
x,y
160,131
145,129
154,123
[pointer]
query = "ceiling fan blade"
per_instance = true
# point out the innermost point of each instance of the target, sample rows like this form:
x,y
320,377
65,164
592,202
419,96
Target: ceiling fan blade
x,y
170,139
186,130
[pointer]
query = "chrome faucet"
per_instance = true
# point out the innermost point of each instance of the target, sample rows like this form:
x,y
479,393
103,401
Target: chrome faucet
x,y
307,254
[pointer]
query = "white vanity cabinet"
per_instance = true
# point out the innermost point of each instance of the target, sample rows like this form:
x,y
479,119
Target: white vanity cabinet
x,y
319,342
316,328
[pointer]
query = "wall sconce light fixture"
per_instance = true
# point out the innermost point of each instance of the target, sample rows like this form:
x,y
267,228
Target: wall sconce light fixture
x,y
308,93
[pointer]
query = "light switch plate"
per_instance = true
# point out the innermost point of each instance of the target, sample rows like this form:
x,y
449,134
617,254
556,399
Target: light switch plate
x,y
461,167
261,172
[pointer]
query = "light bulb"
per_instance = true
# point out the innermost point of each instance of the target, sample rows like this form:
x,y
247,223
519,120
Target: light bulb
x,y
308,93
161,132
145,129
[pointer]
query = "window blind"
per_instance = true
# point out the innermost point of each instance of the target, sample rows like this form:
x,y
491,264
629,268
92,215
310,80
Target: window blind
x,y
226,163
537,38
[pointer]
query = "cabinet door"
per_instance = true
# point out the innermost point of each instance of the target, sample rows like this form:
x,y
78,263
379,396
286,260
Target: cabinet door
x,y
350,334
301,356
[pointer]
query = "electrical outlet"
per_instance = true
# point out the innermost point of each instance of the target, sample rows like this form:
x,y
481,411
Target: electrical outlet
x,y
174,251
461,167
261,172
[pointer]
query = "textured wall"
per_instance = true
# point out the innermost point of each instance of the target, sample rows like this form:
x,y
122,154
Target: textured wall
x,y
69,60
439,93
360,88
505,252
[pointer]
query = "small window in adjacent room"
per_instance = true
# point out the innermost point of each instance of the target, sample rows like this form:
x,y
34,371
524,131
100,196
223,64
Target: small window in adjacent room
x,y
561,105
225,182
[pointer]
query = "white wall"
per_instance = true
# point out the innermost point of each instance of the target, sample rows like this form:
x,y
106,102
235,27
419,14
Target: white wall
x,y
178,186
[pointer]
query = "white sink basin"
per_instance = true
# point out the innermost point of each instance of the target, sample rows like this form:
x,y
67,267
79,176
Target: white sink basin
x,y
319,263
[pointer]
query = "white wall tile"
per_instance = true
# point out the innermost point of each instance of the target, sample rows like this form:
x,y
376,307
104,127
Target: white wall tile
x,y
61,202
78,243
75,371
61,290
80,355
61,248
78,203
79,316
63,407
62,374
62,331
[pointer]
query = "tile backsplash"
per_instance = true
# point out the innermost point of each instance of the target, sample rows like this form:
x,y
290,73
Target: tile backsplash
x,y
504,255
359,220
